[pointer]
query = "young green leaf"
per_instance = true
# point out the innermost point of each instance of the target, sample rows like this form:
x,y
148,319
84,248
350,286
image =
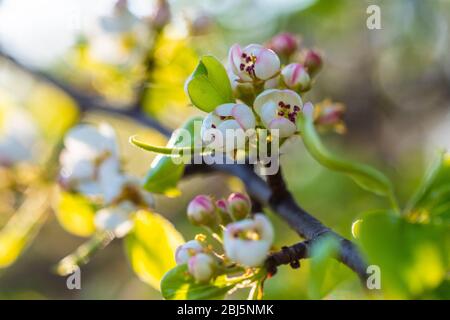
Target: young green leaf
x,y
178,284
325,272
209,85
76,214
164,173
365,176
433,195
413,258
151,246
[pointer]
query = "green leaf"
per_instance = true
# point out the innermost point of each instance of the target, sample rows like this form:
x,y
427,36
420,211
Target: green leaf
x,y
432,198
365,176
209,85
151,246
325,272
413,258
164,173
178,284
76,214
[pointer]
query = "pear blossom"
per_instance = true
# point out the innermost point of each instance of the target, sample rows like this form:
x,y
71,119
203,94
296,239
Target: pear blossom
x,y
296,77
90,165
115,218
89,161
254,62
120,37
238,205
18,136
202,267
188,250
202,211
228,116
278,109
248,241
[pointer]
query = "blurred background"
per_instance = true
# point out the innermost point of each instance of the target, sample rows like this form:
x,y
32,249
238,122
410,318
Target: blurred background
x,y
394,82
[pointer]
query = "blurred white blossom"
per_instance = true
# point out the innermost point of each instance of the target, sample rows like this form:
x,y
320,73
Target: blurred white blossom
x,y
18,136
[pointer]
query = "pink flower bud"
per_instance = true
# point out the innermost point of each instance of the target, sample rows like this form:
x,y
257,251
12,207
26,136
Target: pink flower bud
x,y
312,62
239,205
187,250
201,211
248,241
254,62
295,77
222,208
284,44
202,267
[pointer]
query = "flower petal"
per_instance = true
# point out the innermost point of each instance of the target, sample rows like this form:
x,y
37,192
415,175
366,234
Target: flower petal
x,y
244,116
268,112
234,58
267,64
285,126
224,110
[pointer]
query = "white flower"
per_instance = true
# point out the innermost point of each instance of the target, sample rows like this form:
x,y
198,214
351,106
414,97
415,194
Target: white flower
x,y
120,37
278,109
254,62
115,218
121,20
296,77
187,250
248,241
237,117
202,211
202,267
89,162
18,136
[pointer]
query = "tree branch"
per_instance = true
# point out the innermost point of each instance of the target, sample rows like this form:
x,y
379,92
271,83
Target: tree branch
x,y
273,193
87,102
283,203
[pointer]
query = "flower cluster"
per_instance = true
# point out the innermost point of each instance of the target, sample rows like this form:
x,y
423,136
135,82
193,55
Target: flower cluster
x,y
267,92
246,239
90,165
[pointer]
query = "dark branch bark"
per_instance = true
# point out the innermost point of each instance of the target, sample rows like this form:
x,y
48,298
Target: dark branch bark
x,y
288,255
273,193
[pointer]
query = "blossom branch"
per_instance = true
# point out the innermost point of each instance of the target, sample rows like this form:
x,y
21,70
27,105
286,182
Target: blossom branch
x,y
283,203
272,194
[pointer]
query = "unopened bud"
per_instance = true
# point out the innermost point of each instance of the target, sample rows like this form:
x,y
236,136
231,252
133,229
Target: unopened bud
x,y
284,44
239,206
202,267
201,211
222,209
312,62
296,77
